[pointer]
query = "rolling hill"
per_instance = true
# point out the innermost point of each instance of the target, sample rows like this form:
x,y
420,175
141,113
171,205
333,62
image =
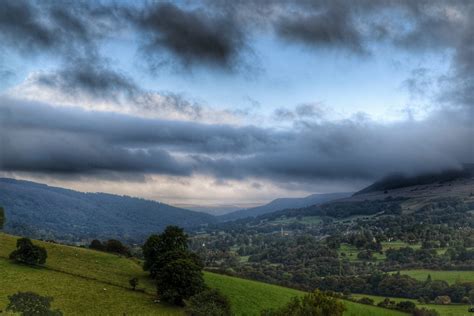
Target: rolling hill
x,y
87,282
46,212
283,203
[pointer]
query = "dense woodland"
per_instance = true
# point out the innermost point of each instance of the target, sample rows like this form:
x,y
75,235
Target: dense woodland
x,y
345,247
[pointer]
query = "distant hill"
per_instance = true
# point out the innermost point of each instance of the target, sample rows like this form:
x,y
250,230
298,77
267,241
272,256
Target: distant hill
x,y
397,181
282,204
43,211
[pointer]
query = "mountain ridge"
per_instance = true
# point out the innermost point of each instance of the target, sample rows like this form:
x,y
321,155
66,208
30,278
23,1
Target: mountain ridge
x,y
39,210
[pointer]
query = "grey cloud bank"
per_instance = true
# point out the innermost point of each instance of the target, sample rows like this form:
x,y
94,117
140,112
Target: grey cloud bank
x,y
40,138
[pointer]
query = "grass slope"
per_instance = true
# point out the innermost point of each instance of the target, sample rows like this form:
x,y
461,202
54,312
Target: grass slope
x,y
82,282
87,282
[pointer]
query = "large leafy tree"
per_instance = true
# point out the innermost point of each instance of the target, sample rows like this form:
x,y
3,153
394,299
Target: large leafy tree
x,y
28,253
177,270
29,304
171,240
179,280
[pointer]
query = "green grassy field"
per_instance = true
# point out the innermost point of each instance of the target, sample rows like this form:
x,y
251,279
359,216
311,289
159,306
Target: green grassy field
x,y
249,297
443,310
449,276
87,282
76,296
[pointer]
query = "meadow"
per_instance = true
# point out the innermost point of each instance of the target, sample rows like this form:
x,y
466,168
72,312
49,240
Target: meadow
x,y
454,276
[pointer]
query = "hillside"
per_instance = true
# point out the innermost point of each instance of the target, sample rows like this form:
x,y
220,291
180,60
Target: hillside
x,y
46,212
87,282
397,181
283,203
407,199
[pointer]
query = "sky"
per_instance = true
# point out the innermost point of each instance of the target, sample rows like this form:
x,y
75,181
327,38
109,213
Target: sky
x,y
218,103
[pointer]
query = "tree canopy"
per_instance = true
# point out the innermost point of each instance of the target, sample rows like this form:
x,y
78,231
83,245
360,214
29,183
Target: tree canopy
x,y
28,253
177,270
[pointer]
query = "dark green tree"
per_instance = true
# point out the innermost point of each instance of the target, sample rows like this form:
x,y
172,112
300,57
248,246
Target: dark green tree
x,y
28,253
97,245
179,280
31,304
115,246
2,217
171,240
177,270
210,302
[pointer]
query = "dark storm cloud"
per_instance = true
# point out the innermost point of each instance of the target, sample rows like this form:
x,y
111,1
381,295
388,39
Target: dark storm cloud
x,y
39,138
194,36
83,78
333,27
95,79
64,30
216,33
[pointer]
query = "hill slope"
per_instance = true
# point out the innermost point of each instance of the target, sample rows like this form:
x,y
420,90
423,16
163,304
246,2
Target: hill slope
x,y
397,181
47,212
87,282
283,203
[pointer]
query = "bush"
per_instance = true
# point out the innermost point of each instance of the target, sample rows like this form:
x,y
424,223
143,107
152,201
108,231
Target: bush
x,y
316,304
28,253
406,306
210,302
133,283
366,301
29,303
